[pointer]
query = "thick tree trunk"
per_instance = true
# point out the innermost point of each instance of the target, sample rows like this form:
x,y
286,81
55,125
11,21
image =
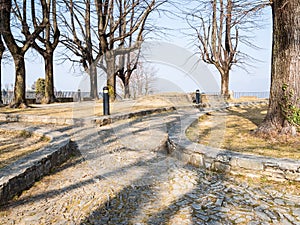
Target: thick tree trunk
x,y
285,78
2,49
93,81
111,75
20,88
126,88
49,80
1,101
225,84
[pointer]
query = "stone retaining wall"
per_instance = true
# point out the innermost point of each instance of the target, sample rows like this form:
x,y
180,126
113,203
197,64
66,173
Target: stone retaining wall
x,y
22,174
278,169
100,121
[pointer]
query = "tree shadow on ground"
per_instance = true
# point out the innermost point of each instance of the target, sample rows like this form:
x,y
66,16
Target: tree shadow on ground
x,y
150,199
251,114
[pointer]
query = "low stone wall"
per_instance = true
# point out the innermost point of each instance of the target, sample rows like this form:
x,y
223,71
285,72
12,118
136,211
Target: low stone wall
x,y
104,120
221,160
22,174
100,121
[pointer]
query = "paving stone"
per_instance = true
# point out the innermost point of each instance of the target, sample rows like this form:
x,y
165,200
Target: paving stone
x,y
262,216
145,186
296,212
240,220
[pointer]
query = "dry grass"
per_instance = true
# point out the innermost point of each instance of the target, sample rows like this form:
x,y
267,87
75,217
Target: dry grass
x,y
284,187
64,112
17,144
88,109
232,130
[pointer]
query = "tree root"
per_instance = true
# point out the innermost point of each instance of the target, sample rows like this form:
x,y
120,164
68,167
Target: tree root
x,y
270,131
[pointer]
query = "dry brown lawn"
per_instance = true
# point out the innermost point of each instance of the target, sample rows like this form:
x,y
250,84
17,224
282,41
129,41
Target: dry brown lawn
x,y
17,144
232,130
93,108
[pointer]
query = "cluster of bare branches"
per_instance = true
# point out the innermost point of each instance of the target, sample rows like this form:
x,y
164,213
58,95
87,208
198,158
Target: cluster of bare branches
x,y
96,33
217,25
19,36
103,34
142,80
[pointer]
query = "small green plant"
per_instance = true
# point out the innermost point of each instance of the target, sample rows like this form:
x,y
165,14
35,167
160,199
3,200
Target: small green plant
x,y
110,91
25,134
44,138
40,87
289,108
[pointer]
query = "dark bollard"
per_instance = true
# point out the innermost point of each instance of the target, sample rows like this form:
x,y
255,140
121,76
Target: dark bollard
x,y
197,97
105,101
79,95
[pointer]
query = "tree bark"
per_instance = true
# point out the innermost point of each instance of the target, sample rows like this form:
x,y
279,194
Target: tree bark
x,y
2,49
93,81
49,79
225,84
20,87
111,74
285,80
127,87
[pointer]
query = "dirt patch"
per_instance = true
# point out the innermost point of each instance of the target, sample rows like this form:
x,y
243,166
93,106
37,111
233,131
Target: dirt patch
x,y
17,144
232,130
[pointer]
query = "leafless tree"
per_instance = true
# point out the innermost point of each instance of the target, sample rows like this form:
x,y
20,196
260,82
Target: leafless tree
x,y
46,44
122,32
18,45
284,103
81,39
141,80
100,31
217,24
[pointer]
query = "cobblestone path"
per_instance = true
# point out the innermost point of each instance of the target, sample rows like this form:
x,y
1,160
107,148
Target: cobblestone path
x,y
123,176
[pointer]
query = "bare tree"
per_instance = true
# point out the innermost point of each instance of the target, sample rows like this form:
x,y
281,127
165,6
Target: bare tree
x,y
18,46
120,33
142,79
218,33
100,32
128,64
80,37
284,103
46,44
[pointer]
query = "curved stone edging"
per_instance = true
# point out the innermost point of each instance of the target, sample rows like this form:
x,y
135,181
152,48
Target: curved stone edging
x,y
278,169
23,173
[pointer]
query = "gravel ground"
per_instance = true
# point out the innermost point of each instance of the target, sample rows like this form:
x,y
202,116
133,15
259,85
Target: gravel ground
x,y
121,175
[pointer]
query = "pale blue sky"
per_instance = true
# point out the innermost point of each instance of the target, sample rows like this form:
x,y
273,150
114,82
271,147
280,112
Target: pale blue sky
x,y
257,77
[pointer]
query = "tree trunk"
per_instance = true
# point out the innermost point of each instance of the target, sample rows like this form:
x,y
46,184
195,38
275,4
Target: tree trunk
x,y
20,88
1,101
93,81
111,75
49,80
225,84
285,80
126,87
2,49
